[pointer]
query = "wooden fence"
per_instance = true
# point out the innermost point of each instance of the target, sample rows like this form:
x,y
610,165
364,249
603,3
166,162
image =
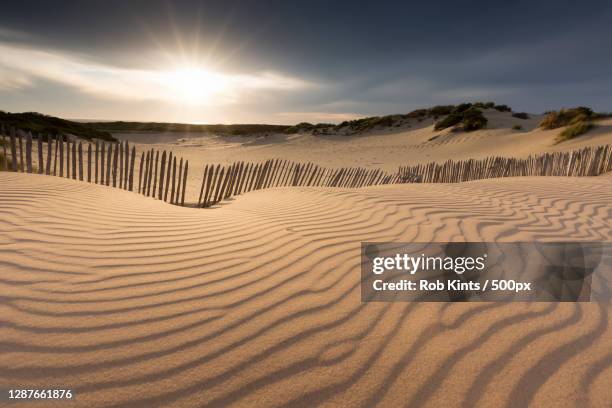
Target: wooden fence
x,y
164,176
219,183
589,161
110,164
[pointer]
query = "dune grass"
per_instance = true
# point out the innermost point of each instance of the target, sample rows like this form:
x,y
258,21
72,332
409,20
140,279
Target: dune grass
x,y
577,121
574,130
469,117
40,124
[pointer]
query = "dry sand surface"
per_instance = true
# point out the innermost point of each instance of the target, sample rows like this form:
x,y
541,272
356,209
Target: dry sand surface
x,y
132,302
386,150
379,149
415,142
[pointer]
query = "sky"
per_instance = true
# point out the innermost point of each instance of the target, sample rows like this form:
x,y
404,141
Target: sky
x,y
291,61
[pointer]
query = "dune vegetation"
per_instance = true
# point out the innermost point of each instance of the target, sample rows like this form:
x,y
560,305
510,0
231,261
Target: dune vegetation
x,y
577,121
40,124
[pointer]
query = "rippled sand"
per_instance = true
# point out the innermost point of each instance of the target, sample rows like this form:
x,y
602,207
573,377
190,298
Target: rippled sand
x,y
132,302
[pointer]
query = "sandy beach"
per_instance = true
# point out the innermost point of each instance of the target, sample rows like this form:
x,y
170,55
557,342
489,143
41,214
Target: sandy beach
x,y
134,302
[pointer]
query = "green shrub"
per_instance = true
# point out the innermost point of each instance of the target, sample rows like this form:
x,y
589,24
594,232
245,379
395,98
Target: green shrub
x,y
520,115
38,123
441,110
576,129
462,107
503,108
565,117
448,121
484,105
470,119
417,114
473,119
517,127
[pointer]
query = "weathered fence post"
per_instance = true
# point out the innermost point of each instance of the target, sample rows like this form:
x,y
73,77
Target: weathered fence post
x,y
102,157
168,174
41,164
61,155
148,173
178,184
74,160
68,162
89,162
120,164
49,152
96,162
203,182
173,180
115,160
162,170
109,156
126,178
21,164
132,160
80,161
142,163
13,151
155,173
210,183
184,183
29,152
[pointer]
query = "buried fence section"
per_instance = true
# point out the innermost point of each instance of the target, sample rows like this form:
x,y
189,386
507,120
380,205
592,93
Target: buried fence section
x,y
222,182
588,161
163,175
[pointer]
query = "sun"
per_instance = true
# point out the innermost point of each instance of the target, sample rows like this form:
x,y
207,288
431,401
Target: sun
x,y
193,85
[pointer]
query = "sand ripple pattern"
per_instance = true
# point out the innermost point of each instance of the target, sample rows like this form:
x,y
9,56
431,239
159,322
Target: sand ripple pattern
x,y
132,302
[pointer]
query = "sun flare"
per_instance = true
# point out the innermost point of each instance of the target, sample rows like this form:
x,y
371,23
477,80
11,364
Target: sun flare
x,y
193,85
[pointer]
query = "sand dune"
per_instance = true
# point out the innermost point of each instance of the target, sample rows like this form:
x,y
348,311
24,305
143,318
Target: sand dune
x,y
132,302
385,149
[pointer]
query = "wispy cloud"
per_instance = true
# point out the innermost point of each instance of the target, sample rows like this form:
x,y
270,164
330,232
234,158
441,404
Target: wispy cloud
x,y
21,66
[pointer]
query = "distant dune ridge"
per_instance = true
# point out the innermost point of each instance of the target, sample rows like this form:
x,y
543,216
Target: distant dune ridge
x,y
131,302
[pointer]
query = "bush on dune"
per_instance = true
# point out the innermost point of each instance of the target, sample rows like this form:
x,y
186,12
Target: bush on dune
x,y
441,110
565,117
417,113
470,119
473,119
484,105
577,121
574,130
462,107
39,124
520,115
503,108
450,120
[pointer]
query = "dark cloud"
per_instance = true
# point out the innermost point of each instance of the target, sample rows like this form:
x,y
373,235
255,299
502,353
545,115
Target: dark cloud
x,y
372,57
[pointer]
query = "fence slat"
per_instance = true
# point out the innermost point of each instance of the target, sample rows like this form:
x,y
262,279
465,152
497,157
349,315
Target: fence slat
x,y
162,171
13,150
41,164
184,183
29,152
